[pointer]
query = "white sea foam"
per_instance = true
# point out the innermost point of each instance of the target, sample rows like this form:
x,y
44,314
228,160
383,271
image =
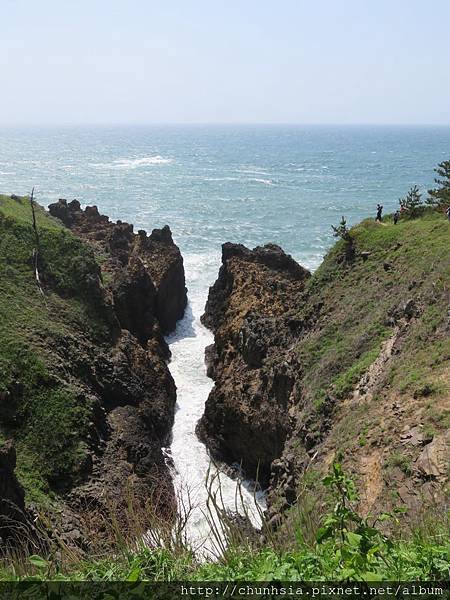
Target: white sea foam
x,y
190,458
134,163
253,171
221,179
264,181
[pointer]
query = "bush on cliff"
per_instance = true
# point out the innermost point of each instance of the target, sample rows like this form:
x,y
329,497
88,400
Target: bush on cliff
x,y
440,196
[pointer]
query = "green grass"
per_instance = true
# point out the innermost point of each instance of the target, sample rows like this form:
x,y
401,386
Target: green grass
x,y
403,462
344,546
353,304
46,412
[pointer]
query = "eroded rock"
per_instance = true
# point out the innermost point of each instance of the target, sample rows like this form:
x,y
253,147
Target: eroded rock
x,y
246,417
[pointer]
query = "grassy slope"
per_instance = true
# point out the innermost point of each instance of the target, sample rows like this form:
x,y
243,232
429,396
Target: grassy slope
x,y
361,306
50,421
410,260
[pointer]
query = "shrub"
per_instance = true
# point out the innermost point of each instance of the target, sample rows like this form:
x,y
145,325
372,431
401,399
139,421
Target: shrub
x,y
440,196
412,201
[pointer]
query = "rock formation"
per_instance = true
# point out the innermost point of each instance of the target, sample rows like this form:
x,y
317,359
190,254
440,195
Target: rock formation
x,y
246,419
144,281
147,271
92,399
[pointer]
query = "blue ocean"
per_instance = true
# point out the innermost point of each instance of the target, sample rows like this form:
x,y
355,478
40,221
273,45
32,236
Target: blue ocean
x,y
211,184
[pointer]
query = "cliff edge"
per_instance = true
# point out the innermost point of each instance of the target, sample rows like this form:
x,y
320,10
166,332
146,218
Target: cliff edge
x,y
85,391
350,364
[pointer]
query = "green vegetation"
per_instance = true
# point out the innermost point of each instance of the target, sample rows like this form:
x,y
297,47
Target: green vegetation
x,y
401,461
341,230
440,196
395,279
40,406
358,302
412,201
346,546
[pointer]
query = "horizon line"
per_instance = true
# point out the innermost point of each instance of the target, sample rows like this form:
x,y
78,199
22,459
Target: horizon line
x,y
217,124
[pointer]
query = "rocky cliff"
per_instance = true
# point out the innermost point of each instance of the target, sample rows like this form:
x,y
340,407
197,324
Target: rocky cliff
x,y
85,390
249,309
145,273
349,364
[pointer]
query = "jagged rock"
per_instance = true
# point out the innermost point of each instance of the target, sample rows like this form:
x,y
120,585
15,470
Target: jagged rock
x,y
127,381
415,436
156,255
134,296
409,308
211,359
433,461
325,372
246,417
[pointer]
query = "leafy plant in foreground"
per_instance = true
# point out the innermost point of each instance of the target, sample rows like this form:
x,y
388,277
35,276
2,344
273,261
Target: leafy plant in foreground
x,y
358,546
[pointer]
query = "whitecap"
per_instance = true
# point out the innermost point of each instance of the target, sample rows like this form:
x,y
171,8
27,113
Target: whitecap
x,y
264,181
134,163
252,171
221,179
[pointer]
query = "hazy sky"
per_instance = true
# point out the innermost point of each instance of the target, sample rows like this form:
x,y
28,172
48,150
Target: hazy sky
x,y
226,61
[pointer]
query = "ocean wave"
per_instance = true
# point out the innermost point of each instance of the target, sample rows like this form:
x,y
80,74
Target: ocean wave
x,y
221,179
253,171
134,163
264,181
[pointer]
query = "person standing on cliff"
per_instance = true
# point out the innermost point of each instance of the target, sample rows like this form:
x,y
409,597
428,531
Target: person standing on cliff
x,y
396,217
379,212
448,213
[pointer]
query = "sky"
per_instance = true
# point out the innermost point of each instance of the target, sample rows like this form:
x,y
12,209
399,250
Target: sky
x,y
224,61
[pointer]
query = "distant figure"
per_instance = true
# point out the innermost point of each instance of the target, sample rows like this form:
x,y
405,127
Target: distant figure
x,y
379,211
396,217
448,213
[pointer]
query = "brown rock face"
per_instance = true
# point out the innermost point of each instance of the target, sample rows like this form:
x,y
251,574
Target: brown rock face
x,y
246,417
12,505
147,270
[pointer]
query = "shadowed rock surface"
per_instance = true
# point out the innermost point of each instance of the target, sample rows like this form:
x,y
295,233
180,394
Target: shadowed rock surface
x,y
12,495
144,279
147,271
